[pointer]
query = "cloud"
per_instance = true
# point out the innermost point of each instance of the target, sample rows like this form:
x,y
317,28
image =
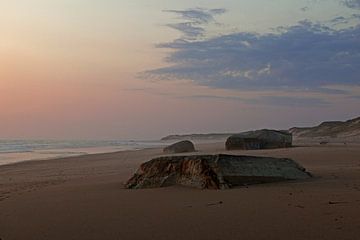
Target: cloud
x,y
291,101
194,21
307,56
305,9
339,20
188,29
198,15
352,3
284,101
345,20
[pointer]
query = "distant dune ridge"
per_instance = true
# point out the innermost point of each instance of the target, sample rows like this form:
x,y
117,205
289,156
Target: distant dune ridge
x,y
329,131
334,129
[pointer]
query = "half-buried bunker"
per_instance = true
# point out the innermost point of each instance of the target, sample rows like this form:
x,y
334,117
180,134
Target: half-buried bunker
x,y
215,171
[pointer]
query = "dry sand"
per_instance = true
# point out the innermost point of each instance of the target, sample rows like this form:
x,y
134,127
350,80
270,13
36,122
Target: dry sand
x,y
83,198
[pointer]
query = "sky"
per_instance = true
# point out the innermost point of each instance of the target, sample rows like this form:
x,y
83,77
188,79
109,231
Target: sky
x,y
143,69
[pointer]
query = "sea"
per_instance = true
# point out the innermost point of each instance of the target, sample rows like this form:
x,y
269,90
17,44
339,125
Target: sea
x,y
13,151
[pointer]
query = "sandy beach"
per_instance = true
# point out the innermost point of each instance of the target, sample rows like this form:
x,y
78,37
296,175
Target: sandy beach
x,y
180,120
84,198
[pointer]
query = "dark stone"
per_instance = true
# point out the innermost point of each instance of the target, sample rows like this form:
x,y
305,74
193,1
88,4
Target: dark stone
x,y
180,147
260,139
214,171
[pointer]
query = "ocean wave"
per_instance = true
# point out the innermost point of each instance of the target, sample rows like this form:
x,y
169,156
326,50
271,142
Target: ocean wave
x,y
24,150
15,151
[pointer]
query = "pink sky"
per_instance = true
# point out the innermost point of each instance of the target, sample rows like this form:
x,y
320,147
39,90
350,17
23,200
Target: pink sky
x,y
70,71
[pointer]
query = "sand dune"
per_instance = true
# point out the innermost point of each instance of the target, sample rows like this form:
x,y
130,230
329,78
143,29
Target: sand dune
x,y
330,131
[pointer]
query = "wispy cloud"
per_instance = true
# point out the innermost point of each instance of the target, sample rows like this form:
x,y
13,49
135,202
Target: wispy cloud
x,y
352,3
355,97
194,20
305,9
344,20
284,101
188,29
198,15
292,101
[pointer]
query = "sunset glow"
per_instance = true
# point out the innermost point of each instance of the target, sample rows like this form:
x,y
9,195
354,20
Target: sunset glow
x,y
112,69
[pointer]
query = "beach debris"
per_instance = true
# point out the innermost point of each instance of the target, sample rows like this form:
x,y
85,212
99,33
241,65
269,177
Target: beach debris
x,y
333,203
180,147
214,171
216,203
260,139
299,206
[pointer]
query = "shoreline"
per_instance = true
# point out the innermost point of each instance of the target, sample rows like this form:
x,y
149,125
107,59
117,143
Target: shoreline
x,y
13,157
298,145
198,143
30,161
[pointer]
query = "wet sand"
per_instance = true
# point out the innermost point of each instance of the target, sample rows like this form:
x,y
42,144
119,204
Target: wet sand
x,y
83,198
